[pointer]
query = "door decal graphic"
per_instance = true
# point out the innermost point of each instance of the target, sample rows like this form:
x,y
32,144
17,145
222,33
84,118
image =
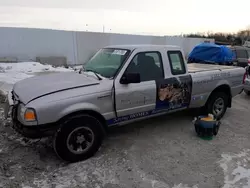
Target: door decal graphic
x,y
173,93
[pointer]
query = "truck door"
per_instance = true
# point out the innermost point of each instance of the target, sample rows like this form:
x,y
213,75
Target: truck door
x,y
134,100
174,92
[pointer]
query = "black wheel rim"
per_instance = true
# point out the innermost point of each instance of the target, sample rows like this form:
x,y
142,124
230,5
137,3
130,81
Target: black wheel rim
x,y
80,140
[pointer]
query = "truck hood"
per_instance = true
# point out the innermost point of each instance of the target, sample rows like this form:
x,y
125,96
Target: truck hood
x,y
38,86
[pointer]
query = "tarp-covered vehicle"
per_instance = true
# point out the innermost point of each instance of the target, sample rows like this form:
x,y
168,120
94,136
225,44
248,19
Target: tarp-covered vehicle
x,y
208,53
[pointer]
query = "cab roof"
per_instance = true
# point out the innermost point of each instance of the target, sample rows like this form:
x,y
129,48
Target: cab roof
x,y
144,46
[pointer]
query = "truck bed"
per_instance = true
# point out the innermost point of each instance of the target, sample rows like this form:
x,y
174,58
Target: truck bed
x,y
198,67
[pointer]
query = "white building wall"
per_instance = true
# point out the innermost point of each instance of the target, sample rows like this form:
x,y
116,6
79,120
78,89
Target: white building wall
x,y
26,44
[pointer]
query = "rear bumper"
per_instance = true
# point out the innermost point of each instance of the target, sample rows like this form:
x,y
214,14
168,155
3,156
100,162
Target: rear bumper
x,y
247,84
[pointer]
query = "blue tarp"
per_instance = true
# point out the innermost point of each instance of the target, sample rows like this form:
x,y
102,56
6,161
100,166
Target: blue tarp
x,y
211,53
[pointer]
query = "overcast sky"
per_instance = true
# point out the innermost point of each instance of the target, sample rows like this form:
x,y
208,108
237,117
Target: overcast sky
x,y
159,17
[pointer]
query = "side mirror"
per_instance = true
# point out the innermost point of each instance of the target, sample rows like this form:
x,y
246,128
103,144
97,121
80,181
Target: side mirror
x,y
130,78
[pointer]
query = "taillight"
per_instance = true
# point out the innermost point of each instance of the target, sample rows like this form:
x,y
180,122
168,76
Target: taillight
x,y
244,78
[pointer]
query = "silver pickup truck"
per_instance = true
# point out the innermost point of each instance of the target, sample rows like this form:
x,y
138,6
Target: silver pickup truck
x,y
118,85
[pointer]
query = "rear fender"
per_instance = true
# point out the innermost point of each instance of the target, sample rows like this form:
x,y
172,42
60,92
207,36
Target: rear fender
x,y
223,88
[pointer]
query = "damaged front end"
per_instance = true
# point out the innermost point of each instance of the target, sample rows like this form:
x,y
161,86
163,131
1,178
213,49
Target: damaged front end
x,y
10,103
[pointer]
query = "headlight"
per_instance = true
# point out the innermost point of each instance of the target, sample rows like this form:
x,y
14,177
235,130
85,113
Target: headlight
x,y
28,114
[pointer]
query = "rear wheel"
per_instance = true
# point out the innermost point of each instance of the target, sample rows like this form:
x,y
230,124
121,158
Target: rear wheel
x,y
79,138
217,104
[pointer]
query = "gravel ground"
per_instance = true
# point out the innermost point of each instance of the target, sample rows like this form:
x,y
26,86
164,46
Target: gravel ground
x,y
162,152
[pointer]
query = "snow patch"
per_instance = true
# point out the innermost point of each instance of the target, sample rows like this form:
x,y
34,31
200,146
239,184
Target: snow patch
x,y
236,169
12,72
160,184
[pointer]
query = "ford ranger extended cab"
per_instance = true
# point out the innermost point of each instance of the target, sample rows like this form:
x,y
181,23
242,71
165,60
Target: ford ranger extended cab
x,y
118,85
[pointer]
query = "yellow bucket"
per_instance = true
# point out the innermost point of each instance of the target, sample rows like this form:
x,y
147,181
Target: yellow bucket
x,y
207,119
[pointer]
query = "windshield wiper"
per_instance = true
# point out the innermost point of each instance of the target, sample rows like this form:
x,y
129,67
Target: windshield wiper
x,y
96,74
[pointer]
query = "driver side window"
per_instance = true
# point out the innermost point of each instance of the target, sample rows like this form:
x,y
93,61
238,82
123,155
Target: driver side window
x,y
148,65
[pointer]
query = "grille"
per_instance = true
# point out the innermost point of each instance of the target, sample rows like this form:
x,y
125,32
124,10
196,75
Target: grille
x,y
14,98
12,95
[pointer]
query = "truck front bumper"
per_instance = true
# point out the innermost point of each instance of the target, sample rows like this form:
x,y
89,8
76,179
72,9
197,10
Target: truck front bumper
x,y
38,131
35,131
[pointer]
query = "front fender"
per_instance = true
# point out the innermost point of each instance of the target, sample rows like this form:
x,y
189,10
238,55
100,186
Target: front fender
x,y
53,113
76,108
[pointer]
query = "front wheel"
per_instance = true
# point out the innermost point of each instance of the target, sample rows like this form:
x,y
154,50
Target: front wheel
x,y
217,104
79,138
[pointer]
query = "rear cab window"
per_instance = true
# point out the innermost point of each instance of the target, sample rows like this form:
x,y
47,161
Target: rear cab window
x,y
241,53
176,61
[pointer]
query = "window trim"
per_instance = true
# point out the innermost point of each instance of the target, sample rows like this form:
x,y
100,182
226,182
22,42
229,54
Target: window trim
x,y
182,61
160,58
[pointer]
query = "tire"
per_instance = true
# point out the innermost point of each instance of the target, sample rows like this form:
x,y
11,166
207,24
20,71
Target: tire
x,y
68,138
217,98
247,92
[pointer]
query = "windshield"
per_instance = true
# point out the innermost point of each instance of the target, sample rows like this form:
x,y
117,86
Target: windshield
x,y
106,61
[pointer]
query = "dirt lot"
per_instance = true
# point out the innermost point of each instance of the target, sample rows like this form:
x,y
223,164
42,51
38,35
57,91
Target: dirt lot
x,y
162,152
